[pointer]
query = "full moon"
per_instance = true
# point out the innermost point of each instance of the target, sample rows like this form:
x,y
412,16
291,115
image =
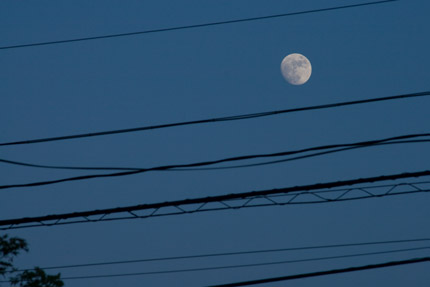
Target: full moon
x,y
296,69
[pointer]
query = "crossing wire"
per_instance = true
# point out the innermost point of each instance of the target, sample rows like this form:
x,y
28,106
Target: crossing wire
x,y
213,162
33,165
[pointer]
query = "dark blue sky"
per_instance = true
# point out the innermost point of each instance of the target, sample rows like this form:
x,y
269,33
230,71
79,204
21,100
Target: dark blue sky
x,y
366,52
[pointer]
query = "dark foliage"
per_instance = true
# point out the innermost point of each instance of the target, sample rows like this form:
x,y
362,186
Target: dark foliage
x,y
10,247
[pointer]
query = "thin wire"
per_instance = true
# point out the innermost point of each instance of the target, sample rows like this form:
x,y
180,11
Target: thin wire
x,y
231,254
192,26
206,163
243,265
214,120
328,272
297,157
19,163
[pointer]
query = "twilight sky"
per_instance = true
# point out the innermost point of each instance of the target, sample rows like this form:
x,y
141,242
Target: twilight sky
x,y
365,52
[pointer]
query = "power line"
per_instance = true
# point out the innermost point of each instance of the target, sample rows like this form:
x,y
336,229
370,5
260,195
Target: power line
x,y
280,196
26,164
323,273
213,162
241,265
214,120
223,254
298,157
191,26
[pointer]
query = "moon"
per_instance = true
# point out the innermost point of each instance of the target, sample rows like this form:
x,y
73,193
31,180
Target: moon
x,y
296,69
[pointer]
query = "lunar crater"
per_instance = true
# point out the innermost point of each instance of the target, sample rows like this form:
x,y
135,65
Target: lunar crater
x,y
296,69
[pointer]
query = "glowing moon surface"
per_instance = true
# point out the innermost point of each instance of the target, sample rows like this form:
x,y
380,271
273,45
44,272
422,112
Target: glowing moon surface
x,y
296,69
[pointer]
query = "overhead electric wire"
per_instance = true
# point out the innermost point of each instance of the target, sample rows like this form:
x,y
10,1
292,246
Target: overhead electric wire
x,y
219,119
327,272
297,157
241,265
199,203
192,26
63,167
248,252
269,201
206,163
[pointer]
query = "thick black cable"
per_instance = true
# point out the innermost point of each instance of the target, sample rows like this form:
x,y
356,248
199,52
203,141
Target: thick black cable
x,y
243,265
204,200
219,119
323,273
26,164
17,222
222,254
192,26
206,163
